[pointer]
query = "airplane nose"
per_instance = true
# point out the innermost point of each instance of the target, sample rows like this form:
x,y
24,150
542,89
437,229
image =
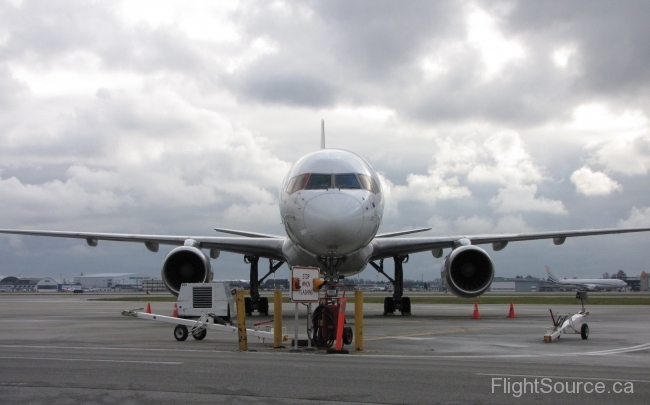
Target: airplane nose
x,y
334,219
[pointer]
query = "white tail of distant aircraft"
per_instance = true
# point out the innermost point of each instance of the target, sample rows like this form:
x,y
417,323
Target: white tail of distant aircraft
x,y
331,206
591,284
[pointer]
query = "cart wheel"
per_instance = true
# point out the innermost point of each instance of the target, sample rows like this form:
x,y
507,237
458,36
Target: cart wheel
x,y
264,306
180,333
584,331
348,335
200,335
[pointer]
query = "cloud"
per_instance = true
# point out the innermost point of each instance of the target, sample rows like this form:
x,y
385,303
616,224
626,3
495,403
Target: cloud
x,y
639,217
477,225
505,161
129,152
500,160
497,50
627,155
158,117
588,182
521,198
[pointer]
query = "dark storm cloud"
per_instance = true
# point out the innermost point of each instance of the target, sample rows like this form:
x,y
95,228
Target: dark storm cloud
x,y
41,32
284,88
349,46
374,51
380,39
612,38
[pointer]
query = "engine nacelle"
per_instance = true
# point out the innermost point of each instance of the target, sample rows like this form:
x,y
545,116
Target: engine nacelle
x,y
185,264
467,271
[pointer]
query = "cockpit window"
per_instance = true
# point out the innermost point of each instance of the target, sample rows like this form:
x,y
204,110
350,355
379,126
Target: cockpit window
x,y
297,183
322,181
319,182
346,181
368,183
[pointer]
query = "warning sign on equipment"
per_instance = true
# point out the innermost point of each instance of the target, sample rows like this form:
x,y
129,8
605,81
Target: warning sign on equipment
x,y
302,284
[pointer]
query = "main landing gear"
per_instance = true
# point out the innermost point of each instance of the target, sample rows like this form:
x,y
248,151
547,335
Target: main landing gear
x,y
255,302
397,301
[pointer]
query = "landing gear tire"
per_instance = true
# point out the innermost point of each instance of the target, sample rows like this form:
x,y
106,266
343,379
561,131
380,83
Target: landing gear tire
x,y
200,335
389,306
264,306
348,335
180,333
584,331
406,306
248,306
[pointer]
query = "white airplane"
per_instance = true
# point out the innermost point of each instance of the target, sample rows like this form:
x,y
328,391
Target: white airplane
x,y
331,206
591,284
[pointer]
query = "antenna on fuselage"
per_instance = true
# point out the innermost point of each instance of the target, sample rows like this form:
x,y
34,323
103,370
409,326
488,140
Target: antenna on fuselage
x,y
322,134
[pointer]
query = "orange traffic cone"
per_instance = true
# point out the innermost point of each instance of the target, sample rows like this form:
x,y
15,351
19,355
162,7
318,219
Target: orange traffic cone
x,y
512,311
148,308
175,313
476,314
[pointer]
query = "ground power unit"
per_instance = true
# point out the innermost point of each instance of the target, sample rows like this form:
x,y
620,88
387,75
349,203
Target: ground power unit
x,y
195,299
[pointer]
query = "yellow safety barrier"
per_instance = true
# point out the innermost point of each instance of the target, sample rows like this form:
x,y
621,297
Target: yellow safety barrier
x,y
241,320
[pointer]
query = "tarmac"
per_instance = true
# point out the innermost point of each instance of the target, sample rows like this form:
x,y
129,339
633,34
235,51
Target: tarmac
x,y
71,349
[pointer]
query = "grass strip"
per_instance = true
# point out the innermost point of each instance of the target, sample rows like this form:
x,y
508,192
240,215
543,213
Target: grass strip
x,y
519,300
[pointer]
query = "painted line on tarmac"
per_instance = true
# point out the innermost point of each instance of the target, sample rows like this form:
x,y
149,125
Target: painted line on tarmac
x,y
101,348
431,333
561,377
620,350
88,360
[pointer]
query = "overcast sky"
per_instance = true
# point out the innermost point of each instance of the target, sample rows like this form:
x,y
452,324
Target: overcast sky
x,y
173,117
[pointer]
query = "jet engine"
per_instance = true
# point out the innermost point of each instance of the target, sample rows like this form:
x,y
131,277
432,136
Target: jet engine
x,y
467,271
185,264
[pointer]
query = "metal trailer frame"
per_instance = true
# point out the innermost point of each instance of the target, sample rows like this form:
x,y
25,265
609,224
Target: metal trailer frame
x,y
198,327
567,323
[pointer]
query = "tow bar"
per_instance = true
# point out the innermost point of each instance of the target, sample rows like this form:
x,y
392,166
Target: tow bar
x,y
567,323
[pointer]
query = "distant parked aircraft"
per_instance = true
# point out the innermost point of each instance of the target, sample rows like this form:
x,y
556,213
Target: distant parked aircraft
x,y
591,284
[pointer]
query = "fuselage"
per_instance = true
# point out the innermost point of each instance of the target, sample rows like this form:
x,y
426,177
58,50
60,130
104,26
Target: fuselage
x,y
331,205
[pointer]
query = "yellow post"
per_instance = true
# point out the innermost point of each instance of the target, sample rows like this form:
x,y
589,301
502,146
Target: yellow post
x,y
277,319
241,320
358,320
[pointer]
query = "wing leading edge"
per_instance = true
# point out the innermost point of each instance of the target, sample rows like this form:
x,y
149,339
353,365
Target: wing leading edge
x,y
268,247
387,247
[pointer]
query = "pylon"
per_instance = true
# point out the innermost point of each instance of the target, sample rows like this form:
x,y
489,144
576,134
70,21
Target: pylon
x,y
175,313
476,315
148,308
512,311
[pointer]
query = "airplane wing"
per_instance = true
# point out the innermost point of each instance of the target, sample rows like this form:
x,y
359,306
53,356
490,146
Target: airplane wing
x,y
393,234
247,234
266,246
388,247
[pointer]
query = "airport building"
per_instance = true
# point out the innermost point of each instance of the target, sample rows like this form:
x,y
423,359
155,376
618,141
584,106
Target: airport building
x,y
28,284
519,284
112,280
